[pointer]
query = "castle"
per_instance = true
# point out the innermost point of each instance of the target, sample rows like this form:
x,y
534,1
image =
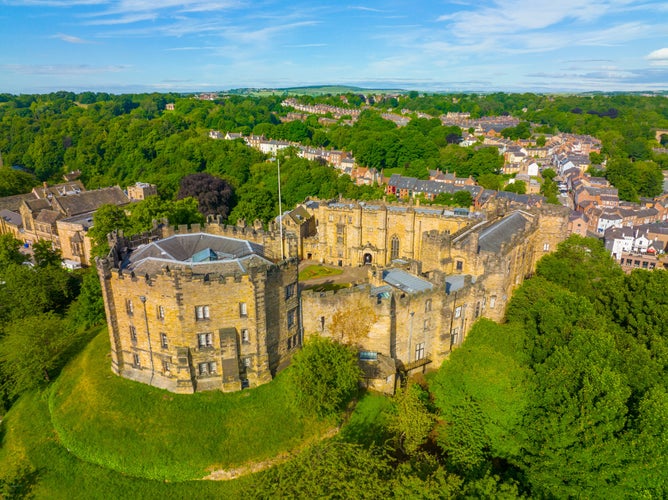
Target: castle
x,y
220,307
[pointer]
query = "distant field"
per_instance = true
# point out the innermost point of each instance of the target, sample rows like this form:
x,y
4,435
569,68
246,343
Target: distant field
x,y
316,91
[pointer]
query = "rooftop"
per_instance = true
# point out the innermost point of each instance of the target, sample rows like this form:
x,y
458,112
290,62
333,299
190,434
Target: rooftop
x,y
201,252
406,282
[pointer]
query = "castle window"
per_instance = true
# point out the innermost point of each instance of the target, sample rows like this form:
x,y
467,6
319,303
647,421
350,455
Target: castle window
x,y
165,366
290,290
133,333
204,340
458,311
201,313
459,265
477,309
292,317
163,340
136,362
160,312
394,247
427,324
129,307
247,362
546,247
207,368
492,301
243,309
427,305
289,343
454,335
245,336
419,351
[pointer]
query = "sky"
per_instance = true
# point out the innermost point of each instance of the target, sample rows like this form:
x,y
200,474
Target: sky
x,y
210,45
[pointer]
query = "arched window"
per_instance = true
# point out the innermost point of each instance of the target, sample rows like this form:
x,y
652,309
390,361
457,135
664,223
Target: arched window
x,y
394,248
427,305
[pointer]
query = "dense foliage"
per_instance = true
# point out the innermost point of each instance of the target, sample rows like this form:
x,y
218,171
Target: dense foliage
x,y
564,402
324,376
43,310
121,139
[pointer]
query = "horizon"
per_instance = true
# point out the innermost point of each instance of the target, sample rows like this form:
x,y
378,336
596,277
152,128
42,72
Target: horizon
x,y
193,46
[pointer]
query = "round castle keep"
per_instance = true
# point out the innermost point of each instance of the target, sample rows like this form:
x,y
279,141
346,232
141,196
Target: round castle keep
x,y
198,311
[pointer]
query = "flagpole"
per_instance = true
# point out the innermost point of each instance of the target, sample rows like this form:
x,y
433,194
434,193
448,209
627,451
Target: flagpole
x,y
280,209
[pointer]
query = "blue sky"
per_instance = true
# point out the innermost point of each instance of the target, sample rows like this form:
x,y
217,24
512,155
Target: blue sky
x,y
461,45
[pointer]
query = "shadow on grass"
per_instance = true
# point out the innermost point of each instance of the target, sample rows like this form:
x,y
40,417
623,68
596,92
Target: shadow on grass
x,y
81,340
20,484
327,286
368,424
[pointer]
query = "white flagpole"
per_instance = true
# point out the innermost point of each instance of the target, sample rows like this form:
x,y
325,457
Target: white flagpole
x,y
280,209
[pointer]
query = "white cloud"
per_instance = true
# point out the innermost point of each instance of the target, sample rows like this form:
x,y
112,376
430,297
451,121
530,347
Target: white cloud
x,y
63,69
658,57
69,38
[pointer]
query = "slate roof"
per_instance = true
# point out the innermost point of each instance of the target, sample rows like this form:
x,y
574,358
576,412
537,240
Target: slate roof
x,y
11,217
14,202
493,237
406,282
454,283
48,216
223,255
89,201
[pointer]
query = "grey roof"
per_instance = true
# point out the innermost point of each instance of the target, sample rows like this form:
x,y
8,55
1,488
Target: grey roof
x,y
89,201
493,237
11,217
223,255
454,283
406,282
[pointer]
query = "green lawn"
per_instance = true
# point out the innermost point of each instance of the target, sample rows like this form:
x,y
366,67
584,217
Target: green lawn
x,y
151,433
53,469
312,272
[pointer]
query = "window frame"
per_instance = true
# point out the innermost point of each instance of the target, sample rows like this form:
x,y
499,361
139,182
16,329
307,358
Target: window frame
x,y
207,342
202,313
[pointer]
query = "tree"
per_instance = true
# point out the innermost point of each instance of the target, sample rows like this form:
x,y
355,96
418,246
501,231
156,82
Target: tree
x,y
9,250
410,420
88,309
107,218
45,255
324,376
331,469
519,187
351,326
31,349
213,194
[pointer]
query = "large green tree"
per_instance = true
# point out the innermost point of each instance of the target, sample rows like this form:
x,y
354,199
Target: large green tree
x,y
31,349
324,376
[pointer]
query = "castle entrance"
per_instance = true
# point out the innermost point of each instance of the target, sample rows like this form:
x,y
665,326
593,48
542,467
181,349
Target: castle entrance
x,y
368,258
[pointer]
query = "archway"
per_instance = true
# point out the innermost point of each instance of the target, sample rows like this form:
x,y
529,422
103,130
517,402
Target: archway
x,y
368,258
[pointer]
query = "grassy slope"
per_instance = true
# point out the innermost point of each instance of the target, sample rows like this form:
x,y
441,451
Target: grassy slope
x,y
148,432
28,441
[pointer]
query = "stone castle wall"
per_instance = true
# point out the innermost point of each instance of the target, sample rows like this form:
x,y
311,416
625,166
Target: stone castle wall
x,y
415,330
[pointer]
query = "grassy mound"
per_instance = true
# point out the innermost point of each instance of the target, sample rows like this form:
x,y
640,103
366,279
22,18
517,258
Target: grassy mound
x,y
150,433
32,458
35,463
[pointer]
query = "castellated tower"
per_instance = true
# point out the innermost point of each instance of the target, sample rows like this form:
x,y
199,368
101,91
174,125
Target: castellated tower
x,y
199,311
